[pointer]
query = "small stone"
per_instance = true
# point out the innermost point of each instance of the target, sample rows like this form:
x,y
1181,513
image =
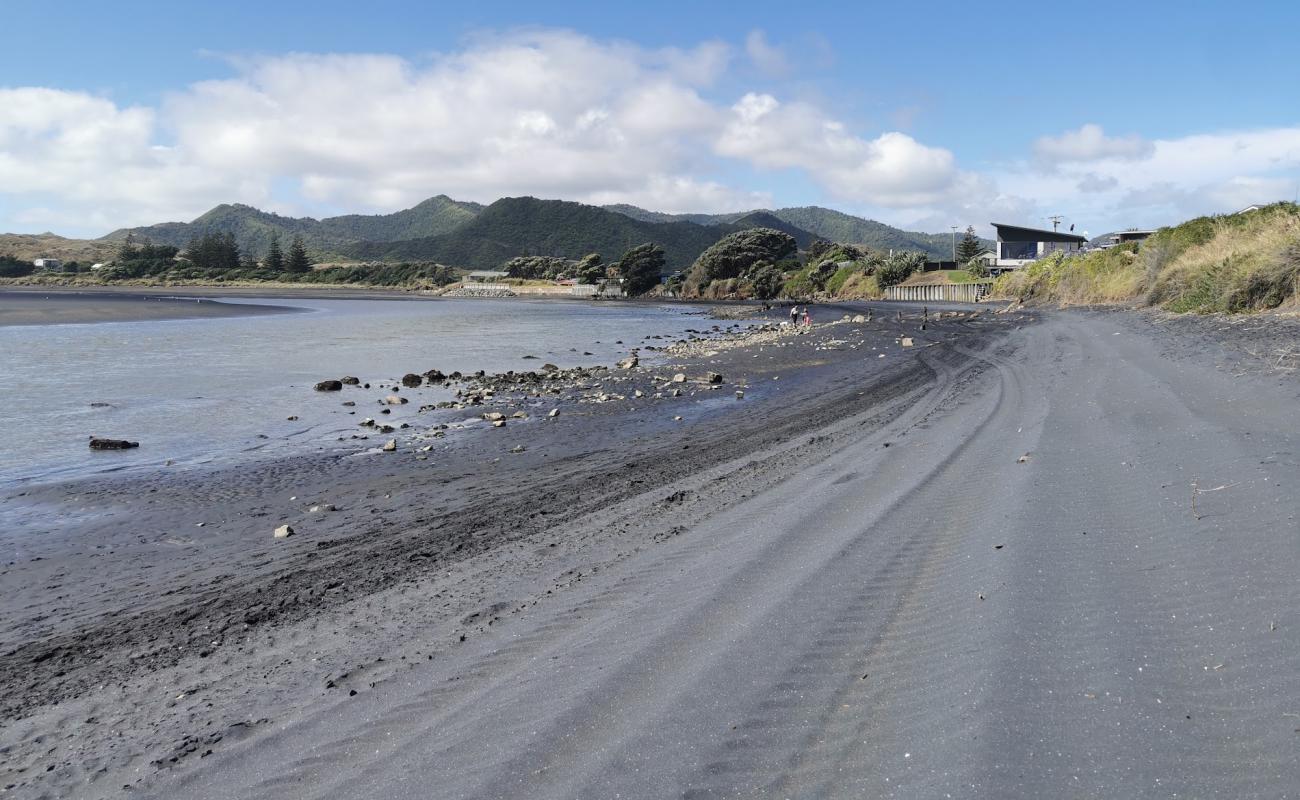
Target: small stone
x,y
410,380
292,418
394,400
554,412
740,395
677,418
519,415
349,403
549,368
714,377
349,380
629,362
390,446
679,378
498,423
329,386
494,416
284,532
907,341
323,508
519,448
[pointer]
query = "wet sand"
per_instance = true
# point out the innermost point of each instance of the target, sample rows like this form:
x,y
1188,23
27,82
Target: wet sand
x,y
64,307
897,575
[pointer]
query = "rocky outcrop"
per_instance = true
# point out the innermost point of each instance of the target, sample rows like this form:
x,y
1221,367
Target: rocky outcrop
x,y
97,443
329,386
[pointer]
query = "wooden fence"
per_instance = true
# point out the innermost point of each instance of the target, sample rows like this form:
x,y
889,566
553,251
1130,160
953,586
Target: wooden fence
x,y
940,292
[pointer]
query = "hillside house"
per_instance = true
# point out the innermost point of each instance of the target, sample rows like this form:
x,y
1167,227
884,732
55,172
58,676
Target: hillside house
x,y
48,264
1017,245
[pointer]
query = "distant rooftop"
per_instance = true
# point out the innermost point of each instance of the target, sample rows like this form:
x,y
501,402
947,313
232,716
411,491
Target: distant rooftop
x,y
1019,233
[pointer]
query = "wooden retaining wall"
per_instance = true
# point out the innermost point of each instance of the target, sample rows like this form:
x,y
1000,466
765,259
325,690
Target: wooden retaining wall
x,y
940,292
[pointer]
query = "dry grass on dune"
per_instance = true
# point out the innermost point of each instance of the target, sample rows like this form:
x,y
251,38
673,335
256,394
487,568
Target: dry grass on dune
x,y
1233,263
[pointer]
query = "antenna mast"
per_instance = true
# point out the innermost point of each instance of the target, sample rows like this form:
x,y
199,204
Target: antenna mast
x,y
1056,221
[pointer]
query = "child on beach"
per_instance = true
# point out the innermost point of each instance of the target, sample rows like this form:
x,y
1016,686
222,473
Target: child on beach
x,y
807,318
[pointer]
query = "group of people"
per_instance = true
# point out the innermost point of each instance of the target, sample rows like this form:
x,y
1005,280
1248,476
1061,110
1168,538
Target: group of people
x,y
794,316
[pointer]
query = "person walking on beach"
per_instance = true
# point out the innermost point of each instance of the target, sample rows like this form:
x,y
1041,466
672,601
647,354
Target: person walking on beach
x,y
807,318
794,315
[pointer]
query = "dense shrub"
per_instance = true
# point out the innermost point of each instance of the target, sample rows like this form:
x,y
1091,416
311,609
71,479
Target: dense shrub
x,y
735,254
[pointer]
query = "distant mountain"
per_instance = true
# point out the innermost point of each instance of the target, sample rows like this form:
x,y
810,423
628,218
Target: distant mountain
x,y
824,223
254,228
463,234
516,226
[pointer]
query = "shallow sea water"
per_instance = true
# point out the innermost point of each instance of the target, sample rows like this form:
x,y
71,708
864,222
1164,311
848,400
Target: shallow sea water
x,y
218,391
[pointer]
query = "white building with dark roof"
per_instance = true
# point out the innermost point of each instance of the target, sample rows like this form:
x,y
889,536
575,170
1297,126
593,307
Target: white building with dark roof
x,y
1017,245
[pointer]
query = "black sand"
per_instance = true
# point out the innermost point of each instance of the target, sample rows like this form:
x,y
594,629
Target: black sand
x,y
970,568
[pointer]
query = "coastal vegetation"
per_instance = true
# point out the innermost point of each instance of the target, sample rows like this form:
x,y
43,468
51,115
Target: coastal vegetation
x,y
1231,263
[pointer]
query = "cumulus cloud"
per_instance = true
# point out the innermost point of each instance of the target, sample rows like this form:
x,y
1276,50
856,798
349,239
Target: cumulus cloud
x,y
1090,143
891,170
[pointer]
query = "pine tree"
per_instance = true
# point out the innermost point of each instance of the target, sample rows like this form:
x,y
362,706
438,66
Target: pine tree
x,y
274,261
970,246
298,261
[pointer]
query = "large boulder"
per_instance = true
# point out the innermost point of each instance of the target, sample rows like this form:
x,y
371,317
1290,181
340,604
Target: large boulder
x,y
329,386
410,380
350,381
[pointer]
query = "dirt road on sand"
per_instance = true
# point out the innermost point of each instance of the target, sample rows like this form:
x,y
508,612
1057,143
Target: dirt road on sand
x,y
992,584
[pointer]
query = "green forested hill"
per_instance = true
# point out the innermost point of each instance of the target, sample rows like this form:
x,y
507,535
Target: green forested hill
x,y
825,223
254,228
527,226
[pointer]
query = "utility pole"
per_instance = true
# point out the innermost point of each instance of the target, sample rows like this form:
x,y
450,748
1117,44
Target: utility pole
x,y
1056,221
954,243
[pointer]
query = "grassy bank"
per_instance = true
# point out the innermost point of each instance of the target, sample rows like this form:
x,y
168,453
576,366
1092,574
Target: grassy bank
x,y
1232,263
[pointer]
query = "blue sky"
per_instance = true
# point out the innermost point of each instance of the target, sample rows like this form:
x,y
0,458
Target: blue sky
x,y
922,115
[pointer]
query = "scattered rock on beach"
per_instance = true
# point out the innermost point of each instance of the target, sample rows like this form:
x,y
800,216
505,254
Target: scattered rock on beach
x,y
679,378
554,412
111,444
350,381
907,341
494,416
390,446
498,423
394,400
329,386
740,395
323,508
713,377
284,532
519,448
629,362
410,380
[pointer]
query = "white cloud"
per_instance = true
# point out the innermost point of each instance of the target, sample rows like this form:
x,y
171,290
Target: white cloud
x,y
768,58
891,170
1090,143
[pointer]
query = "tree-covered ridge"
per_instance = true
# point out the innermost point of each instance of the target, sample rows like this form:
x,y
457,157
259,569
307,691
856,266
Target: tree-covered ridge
x,y
517,226
824,223
254,229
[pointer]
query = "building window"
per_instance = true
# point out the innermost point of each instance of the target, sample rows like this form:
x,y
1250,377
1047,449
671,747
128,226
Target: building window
x,y
1019,250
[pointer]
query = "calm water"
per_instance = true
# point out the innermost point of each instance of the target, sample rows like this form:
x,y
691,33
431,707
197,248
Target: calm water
x,y
201,391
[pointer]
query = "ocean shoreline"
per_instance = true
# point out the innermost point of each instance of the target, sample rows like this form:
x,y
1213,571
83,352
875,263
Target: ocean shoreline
x,y
201,539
